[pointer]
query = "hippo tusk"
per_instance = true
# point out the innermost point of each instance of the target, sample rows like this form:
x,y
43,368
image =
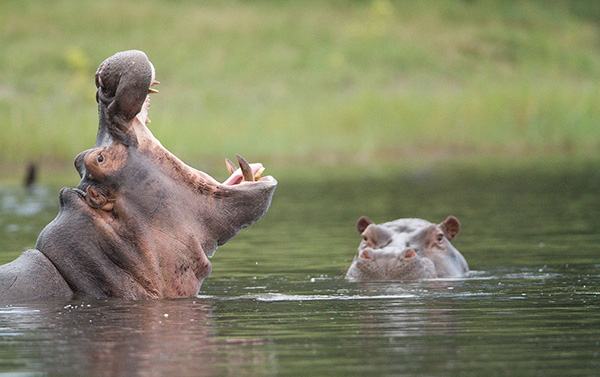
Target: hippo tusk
x,y
152,90
246,169
230,166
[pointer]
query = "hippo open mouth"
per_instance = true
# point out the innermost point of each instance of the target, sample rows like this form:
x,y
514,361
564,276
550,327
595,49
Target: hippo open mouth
x,y
245,173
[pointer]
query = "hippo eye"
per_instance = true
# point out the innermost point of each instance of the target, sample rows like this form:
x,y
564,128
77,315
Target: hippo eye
x,y
440,237
100,158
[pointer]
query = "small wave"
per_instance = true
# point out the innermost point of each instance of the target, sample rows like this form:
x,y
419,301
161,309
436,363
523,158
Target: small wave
x,y
274,297
17,310
284,297
531,275
483,275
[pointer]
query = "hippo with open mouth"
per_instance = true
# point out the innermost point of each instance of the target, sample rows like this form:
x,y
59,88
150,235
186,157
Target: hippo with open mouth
x,y
407,249
141,223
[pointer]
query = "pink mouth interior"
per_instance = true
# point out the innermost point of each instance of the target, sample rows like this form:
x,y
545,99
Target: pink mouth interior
x,y
237,176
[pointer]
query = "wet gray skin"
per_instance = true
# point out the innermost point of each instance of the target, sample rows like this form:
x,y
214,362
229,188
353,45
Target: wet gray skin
x,y
388,264
141,223
407,249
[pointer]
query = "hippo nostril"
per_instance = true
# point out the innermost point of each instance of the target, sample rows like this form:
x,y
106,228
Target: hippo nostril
x,y
410,254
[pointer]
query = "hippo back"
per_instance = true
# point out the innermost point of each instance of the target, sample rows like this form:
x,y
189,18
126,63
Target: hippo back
x,y
29,277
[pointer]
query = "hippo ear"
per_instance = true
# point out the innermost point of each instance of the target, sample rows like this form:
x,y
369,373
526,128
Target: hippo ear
x,y
450,227
363,223
79,163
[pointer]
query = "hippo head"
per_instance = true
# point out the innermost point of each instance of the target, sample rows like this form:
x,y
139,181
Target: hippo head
x,y
141,223
407,249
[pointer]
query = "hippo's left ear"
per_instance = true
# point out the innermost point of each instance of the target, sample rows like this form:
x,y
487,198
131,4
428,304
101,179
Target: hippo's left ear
x,y
363,223
450,227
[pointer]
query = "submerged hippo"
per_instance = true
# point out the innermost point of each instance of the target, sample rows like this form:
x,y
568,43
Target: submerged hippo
x,y
141,223
407,249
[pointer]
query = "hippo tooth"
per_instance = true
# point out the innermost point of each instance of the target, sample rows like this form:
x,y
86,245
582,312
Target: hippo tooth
x,y
152,90
246,169
258,173
237,176
230,166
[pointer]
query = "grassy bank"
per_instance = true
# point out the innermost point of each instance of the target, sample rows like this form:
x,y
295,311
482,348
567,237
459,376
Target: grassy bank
x,y
323,82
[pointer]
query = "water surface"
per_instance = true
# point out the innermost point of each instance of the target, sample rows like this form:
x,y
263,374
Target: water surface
x,y
276,304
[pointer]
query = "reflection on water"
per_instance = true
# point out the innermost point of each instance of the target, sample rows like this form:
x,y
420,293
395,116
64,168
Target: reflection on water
x,y
276,303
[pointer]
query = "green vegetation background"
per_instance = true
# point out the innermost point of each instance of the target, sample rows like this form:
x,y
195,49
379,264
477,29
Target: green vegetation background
x,y
313,82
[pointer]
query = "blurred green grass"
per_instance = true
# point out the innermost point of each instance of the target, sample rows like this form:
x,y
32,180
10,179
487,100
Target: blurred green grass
x,y
311,82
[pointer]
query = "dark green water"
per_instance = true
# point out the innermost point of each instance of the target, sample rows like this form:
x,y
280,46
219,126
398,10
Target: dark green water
x,y
276,304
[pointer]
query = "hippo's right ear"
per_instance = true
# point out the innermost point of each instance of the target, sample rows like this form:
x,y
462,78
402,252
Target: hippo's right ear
x,y
363,223
450,227
79,163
